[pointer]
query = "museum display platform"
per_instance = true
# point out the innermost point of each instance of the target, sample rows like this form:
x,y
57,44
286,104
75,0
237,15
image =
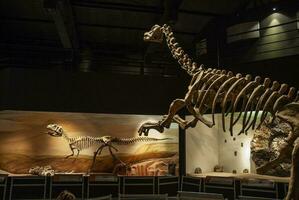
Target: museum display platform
x,y
88,186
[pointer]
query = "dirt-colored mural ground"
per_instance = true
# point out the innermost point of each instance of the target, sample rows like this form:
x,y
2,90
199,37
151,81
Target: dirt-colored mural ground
x,y
20,164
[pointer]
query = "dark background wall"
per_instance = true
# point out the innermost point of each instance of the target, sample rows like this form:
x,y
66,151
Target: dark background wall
x,y
274,53
277,35
60,90
39,73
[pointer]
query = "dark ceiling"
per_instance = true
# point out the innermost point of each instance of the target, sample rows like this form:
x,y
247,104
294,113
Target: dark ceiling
x,y
102,34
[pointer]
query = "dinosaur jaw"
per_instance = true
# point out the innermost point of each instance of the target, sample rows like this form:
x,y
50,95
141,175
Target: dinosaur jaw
x,y
53,133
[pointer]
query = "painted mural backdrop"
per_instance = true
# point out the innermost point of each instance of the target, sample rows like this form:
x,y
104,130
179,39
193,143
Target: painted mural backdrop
x,y
25,143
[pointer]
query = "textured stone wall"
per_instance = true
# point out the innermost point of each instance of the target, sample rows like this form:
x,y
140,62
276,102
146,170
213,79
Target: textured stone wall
x,y
266,145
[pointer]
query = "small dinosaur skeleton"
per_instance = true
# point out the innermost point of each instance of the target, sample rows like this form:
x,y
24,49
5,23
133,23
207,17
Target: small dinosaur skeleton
x,y
212,87
80,143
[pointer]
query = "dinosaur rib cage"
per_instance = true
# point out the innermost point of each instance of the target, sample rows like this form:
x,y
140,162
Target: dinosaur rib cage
x,y
83,142
250,96
215,86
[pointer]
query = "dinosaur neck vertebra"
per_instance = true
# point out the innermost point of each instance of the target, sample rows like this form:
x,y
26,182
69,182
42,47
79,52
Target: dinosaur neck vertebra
x,y
66,137
178,53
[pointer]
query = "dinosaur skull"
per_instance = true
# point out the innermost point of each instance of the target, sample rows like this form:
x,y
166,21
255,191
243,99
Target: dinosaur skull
x,y
54,130
154,35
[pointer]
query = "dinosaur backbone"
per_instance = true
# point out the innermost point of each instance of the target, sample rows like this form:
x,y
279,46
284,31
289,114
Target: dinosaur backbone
x,y
126,141
212,88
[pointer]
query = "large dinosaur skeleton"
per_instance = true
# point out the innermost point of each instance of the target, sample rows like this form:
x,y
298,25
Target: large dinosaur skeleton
x,y
80,143
210,88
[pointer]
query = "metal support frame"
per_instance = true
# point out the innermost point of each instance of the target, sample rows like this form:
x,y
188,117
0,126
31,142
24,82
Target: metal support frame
x,y
182,150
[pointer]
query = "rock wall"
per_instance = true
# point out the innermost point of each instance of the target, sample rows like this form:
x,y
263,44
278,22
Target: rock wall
x,y
266,145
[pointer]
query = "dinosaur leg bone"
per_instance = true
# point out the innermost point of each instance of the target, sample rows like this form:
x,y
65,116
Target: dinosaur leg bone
x,y
198,116
113,147
98,151
114,156
181,122
175,106
78,152
72,154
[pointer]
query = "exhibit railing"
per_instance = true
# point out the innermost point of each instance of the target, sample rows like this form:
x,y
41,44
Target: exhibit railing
x,y
102,184
26,184
199,196
71,182
138,184
168,184
3,184
191,184
92,186
258,187
142,196
223,185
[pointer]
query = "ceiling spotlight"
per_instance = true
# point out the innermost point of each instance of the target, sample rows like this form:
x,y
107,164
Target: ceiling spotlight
x,y
274,9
